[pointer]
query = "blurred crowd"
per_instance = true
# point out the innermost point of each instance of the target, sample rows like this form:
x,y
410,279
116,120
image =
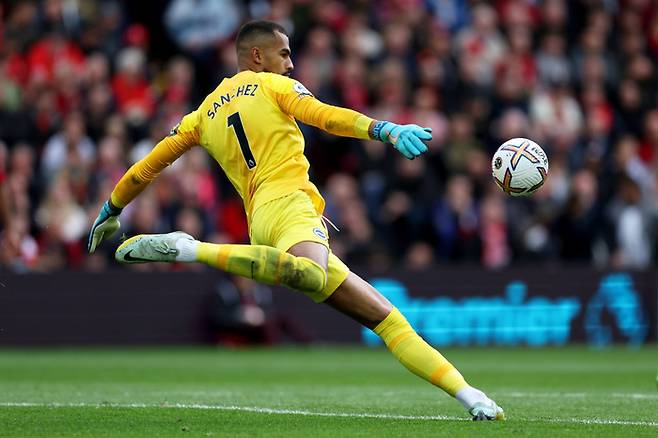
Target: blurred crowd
x,y
89,87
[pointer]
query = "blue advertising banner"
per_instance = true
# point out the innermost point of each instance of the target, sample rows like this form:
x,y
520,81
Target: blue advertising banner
x,y
449,307
524,307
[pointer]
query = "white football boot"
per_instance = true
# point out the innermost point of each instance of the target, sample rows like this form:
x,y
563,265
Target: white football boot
x,y
486,410
145,248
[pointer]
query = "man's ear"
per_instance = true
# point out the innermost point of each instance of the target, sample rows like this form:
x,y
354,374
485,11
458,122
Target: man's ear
x,y
256,55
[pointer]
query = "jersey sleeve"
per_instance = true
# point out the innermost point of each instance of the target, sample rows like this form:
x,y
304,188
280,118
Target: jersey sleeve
x,y
181,138
294,99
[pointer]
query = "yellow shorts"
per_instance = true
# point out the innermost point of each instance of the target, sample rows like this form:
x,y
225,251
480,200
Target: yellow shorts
x,y
286,221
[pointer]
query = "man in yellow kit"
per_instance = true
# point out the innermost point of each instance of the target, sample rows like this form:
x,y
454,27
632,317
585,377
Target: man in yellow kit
x,y
248,125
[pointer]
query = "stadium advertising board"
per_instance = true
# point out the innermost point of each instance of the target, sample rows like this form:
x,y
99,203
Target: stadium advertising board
x,y
524,307
448,307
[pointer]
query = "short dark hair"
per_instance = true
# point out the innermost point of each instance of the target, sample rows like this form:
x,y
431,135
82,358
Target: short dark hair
x,y
256,28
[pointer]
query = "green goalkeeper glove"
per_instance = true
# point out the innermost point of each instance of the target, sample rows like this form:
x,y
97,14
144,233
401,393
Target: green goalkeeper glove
x,y
106,224
407,139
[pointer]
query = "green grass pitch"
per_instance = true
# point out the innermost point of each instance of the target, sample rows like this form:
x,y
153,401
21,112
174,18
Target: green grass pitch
x,y
320,392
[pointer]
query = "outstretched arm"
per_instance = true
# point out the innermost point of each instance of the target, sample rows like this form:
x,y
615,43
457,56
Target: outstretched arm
x,y
408,139
333,119
139,176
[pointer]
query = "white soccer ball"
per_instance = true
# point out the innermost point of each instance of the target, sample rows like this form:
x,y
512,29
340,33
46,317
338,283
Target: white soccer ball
x,y
519,167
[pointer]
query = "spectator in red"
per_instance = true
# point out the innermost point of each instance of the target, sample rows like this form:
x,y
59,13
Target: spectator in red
x,y
132,91
652,30
520,61
482,43
137,35
178,90
231,221
51,53
16,34
14,65
515,13
649,146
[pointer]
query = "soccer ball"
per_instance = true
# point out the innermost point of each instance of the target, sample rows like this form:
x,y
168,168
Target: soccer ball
x,y
519,167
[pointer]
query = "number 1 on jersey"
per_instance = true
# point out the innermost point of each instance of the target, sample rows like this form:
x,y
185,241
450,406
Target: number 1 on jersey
x,y
235,121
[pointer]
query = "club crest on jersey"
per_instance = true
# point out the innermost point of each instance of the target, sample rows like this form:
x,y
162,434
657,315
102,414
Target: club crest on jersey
x,y
320,233
301,90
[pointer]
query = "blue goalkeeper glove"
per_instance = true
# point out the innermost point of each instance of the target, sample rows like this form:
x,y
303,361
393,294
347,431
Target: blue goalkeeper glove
x,y
106,224
407,139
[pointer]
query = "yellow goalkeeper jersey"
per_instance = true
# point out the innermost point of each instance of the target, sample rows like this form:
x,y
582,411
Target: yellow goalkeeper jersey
x,y
248,125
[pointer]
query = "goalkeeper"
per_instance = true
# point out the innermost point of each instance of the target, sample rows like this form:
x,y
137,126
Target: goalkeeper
x,y
248,124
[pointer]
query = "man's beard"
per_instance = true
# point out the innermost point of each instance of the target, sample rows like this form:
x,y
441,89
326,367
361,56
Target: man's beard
x,y
285,73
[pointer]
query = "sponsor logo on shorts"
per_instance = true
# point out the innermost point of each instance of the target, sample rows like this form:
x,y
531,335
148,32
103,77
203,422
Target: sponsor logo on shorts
x,y
320,233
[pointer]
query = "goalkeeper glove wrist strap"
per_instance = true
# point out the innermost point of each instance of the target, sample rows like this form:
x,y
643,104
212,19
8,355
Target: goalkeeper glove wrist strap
x,y
377,130
111,210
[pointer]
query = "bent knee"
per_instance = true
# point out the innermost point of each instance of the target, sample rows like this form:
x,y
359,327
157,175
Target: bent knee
x,y
304,275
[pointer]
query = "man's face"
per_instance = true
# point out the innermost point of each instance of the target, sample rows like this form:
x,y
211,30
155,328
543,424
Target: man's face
x,y
276,55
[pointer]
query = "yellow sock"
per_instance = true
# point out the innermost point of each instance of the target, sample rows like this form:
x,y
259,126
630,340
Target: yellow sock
x,y
265,264
417,355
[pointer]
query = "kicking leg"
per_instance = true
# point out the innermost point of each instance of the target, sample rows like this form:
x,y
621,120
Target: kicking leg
x,y
288,223
359,300
260,262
